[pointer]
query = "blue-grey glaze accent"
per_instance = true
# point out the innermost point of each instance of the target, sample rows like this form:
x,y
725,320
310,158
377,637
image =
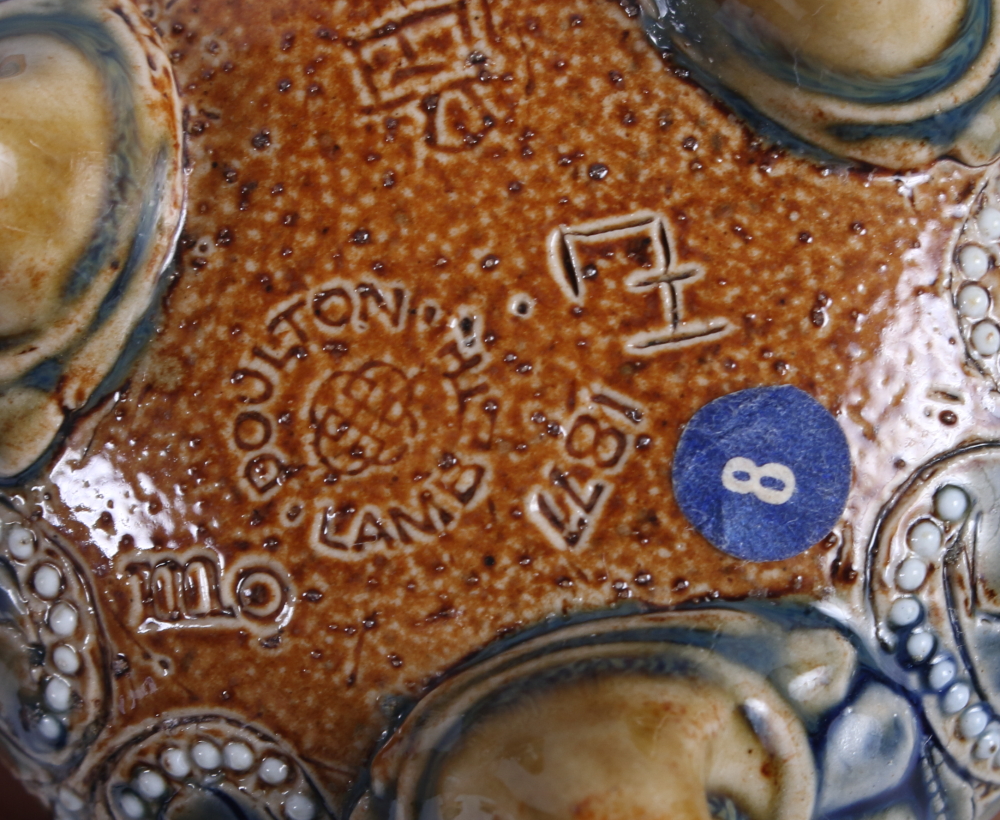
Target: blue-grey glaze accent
x,y
92,40
941,129
205,803
662,38
901,737
716,32
123,181
14,654
713,35
870,749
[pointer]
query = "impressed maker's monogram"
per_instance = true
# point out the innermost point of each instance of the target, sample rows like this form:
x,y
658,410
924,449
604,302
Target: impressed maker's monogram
x,y
441,67
580,255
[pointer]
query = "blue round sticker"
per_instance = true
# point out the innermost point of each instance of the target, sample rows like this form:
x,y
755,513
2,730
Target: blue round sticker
x,y
763,473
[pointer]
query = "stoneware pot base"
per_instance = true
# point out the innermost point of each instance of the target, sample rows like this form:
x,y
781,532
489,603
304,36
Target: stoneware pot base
x,y
485,408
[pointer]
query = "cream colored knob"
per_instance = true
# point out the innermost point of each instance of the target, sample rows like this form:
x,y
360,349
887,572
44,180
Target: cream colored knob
x,y
856,36
619,746
55,140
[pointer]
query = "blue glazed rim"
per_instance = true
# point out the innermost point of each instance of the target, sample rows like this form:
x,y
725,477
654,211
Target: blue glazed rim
x,y
941,129
788,615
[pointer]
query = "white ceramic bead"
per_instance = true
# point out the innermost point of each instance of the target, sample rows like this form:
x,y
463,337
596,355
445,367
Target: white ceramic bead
x,y
206,755
66,659
176,762
70,800
299,807
942,672
238,756
58,695
919,646
951,503
989,223
904,612
956,698
973,301
273,771
21,543
985,338
973,261
911,574
151,785
924,538
63,619
50,728
973,722
988,743
47,581
131,805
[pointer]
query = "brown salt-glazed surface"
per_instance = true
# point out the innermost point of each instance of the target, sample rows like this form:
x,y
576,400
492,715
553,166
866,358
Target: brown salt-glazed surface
x,y
377,412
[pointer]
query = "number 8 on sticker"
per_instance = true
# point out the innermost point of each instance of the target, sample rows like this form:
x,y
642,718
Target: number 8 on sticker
x,y
763,474
736,468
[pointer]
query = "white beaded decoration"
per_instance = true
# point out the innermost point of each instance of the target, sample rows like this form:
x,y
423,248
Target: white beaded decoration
x,y
989,223
911,574
238,756
21,543
299,807
904,612
951,503
973,722
47,581
988,743
919,646
973,261
151,785
58,695
66,659
50,728
956,698
985,338
925,539
176,763
273,771
63,619
942,673
131,805
973,301
206,755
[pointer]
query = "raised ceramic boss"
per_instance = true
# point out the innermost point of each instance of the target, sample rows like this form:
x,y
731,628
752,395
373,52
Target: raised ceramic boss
x,y
896,84
91,199
522,434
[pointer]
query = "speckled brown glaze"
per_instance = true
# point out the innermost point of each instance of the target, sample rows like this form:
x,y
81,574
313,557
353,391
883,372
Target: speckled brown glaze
x,y
380,197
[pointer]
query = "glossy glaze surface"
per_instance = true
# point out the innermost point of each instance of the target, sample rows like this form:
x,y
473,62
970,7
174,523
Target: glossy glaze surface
x,y
896,84
453,279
